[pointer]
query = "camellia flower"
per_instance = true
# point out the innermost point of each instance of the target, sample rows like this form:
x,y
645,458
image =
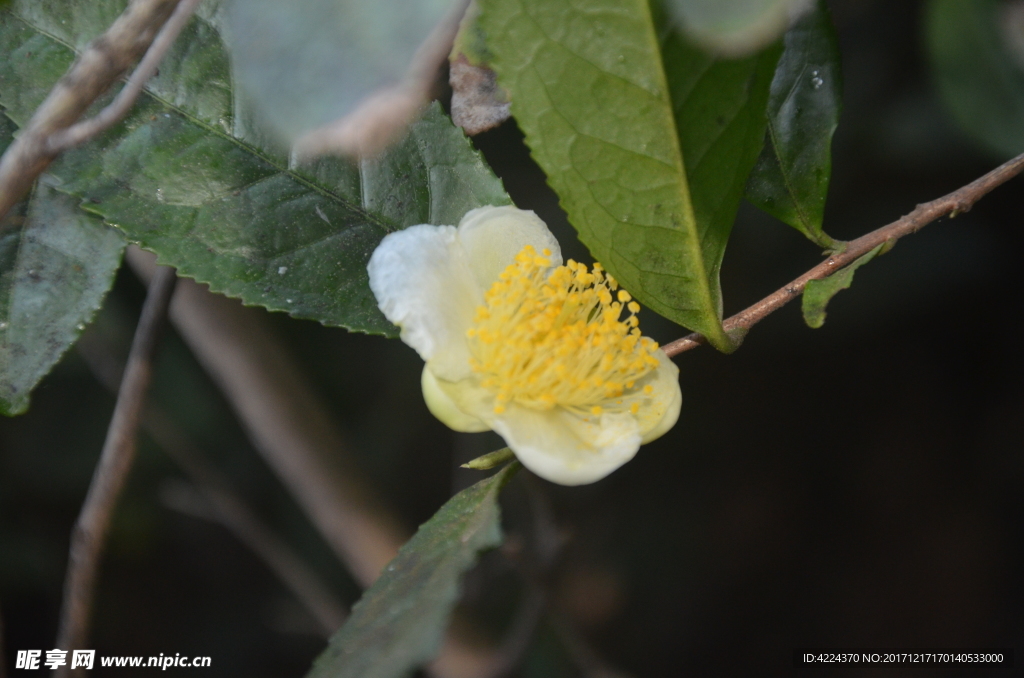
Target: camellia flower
x,y
549,356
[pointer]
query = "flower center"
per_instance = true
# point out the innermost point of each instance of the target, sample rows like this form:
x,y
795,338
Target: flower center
x,y
557,337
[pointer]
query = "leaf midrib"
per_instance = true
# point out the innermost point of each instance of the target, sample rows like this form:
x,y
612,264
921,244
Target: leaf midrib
x,y
693,242
253,150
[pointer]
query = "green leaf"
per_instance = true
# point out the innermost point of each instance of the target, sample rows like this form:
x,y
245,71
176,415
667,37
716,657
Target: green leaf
x,y
977,55
56,266
790,179
719,107
599,112
735,27
189,177
399,622
818,293
471,41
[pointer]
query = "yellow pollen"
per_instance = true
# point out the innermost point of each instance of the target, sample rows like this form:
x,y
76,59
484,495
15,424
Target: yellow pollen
x,y
550,337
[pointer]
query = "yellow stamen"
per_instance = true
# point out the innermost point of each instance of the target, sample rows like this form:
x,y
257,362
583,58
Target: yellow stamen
x,y
556,337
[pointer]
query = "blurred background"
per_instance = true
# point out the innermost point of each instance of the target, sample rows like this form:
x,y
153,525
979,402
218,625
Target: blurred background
x,y
856,485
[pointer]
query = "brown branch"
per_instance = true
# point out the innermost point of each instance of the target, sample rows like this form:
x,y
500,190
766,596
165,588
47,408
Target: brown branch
x,y
582,653
957,202
89,535
220,506
384,115
291,428
99,66
521,631
286,423
219,503
81,132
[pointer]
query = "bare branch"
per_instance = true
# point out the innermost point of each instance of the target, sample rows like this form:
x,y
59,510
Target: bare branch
x,y
89,535
383,116
81,132
222,507
286,423
289,425
957,202
219,503
582,653
517,639
99,66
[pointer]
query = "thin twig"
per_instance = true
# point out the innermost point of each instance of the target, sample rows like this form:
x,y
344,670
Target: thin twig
x,y
957,202
586,658
521,631
536,566
99,66
222,507
89,535
381,117
81,132
291,428
286,423
221,504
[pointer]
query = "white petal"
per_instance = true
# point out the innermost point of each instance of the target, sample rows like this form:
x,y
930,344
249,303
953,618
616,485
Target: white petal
x,y
659,410
563,448
445,409
423,283
493,236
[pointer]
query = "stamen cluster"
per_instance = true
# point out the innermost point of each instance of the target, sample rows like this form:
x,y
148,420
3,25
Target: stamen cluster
x,y
547,338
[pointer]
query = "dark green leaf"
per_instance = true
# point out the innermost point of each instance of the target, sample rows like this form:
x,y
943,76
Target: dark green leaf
x,y
398,624
790,179
719,109
56,266
818,293
978,64
735,27
470,41
186,177
589,90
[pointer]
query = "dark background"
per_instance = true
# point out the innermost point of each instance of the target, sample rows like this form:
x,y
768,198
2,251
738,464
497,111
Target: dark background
x,y
856,485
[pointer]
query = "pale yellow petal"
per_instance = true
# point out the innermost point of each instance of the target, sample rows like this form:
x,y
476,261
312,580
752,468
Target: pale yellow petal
x,y
566,449
658,410
423,283
445,409
493,236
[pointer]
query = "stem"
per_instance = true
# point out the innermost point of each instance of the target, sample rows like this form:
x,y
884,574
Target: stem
x,y
216,504
96,69
81,132
89,535
212,498
957,202
295,433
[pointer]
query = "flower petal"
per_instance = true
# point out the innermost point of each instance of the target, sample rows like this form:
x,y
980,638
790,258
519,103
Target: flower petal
x,y
445,409
493,236
423,283
564,448
659,409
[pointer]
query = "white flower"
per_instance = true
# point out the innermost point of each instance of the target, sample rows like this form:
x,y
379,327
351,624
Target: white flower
x,y
516,342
